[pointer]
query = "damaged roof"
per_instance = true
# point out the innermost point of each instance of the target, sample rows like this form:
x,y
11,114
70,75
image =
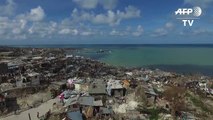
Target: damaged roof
x,y
115,84
97,87
86,100
76,115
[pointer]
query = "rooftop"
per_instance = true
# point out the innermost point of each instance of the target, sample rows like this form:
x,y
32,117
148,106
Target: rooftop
x,y
115,84
76,115
97,87
86,100
33,74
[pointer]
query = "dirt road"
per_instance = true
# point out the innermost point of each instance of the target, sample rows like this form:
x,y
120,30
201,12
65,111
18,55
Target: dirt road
x,y
42,109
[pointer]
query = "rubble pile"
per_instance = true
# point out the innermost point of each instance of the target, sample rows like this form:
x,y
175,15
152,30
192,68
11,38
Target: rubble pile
x,y
89,89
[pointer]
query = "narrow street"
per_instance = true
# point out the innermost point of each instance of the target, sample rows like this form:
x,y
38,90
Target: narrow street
x,y
42,109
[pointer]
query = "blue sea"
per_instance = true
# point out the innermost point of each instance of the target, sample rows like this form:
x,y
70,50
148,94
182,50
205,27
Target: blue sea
x,y
182,58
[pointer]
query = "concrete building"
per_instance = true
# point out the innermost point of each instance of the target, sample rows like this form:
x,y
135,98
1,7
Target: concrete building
x,y
3,67
74,115
115,88
97,88
2,102
34,78
22,82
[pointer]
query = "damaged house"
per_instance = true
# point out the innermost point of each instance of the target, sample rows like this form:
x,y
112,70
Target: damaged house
x,y
2,102
97,88
3,67
151,94
115,88
32,79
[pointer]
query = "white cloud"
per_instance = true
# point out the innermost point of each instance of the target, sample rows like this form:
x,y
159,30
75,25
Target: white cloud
x,y
31,24
35,14
12,29
169,25
87,4
130,12
8,8
73,31
200,31
160,32
91,4
117,33
4,24
16,31
114,32
196,32
163,31
39,30
112,18
52,27
139,31
68,31
43,29
64,31
22,29
109,4
86,33
129,31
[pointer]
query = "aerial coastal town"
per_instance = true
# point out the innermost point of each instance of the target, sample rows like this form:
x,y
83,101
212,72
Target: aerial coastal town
x,y
49,84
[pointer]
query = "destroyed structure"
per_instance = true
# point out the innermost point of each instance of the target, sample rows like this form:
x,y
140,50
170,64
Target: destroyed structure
x,y
88,89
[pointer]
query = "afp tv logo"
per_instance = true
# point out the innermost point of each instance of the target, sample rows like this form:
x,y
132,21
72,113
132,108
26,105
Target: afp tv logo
x,y
188,15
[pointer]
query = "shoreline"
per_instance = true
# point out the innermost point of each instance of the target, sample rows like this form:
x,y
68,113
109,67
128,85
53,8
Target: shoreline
x,y
52,67
185,69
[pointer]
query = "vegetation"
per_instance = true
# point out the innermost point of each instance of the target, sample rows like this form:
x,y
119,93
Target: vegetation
x,y
211,86
176,98
141,96
199,103
153,112
156,91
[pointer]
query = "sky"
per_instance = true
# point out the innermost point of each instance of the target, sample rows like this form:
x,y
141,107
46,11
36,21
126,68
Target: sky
x,y
102,22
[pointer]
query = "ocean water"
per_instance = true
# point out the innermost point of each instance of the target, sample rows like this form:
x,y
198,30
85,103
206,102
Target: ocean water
x,y
143,56
175,58
195,60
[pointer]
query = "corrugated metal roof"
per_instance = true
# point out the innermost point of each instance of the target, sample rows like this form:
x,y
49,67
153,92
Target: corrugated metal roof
x,y
105,110
76,115
98,87
86,100
114,84
71,101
